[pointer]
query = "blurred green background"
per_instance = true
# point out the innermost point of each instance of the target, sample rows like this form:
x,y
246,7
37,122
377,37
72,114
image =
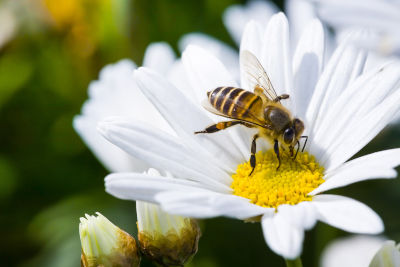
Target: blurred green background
x,y
49,52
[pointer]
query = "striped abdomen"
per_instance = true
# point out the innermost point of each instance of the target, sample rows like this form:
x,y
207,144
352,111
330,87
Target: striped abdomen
x,y
234,102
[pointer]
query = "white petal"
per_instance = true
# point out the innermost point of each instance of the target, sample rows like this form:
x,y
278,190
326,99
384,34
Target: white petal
x,y
307,66
177,76
366,93
237,16
343,67
115,94
206,73
251,41
282,237
185,117
302,215
162,151
377,165
347,214
159,56
276,56
144,187
300,13
380,15
361,125
226,54
113,158
202,204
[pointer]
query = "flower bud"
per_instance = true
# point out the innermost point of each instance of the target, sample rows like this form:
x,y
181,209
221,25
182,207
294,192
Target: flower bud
x,y
387,256
168,240
104,244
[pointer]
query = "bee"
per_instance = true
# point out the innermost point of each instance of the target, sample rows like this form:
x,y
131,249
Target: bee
x,y
261,109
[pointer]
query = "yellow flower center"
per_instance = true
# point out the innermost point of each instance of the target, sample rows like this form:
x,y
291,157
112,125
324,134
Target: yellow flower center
x,y
269,187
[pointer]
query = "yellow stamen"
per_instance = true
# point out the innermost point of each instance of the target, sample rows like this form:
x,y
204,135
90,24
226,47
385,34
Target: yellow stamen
x,y
269,187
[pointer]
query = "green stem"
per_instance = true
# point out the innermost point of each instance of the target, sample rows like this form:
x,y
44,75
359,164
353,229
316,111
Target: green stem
x,y
294,263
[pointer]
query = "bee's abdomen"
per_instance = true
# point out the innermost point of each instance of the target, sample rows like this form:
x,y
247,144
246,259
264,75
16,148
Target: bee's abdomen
x,y
224,99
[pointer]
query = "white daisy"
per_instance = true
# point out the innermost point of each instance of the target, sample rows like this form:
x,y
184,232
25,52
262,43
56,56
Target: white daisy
x,y
342,108
379,16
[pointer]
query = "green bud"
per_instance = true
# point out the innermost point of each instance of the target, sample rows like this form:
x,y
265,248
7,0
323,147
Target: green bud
x,y
168,240
387,256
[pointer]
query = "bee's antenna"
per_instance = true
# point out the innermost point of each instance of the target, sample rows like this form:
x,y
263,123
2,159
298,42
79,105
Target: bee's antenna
x,y
304,146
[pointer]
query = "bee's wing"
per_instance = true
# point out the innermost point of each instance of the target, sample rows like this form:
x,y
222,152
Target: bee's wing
x,y
256,75
250,118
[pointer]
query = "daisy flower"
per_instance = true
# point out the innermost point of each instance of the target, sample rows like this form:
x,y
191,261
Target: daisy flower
x,y
379,16
342,107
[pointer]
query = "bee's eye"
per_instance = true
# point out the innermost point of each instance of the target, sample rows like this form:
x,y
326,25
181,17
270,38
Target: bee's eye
x,y
288,135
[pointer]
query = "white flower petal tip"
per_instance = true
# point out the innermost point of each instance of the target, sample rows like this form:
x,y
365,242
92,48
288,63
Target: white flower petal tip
x,y
226,54
159,56
282,237
277,49
378,165
105,126
235,17
206,69
144,187
347,214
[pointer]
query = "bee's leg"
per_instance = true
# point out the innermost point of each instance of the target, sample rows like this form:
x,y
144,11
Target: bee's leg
x,y
297,151
219,126
276,149
279,98
306,137
253,153
291,150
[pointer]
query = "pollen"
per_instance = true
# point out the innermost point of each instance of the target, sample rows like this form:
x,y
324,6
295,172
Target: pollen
x,y
270,187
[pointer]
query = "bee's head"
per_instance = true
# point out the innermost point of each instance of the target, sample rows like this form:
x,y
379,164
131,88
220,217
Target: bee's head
x,y
293,133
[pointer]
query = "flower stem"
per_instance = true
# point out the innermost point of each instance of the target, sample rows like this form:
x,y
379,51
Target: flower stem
x,y
294,263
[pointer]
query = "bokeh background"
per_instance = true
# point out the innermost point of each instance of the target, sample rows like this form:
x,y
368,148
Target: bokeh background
x,y
49,52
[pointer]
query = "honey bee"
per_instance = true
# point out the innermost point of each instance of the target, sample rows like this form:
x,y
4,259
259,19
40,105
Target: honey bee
x,y
262,110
